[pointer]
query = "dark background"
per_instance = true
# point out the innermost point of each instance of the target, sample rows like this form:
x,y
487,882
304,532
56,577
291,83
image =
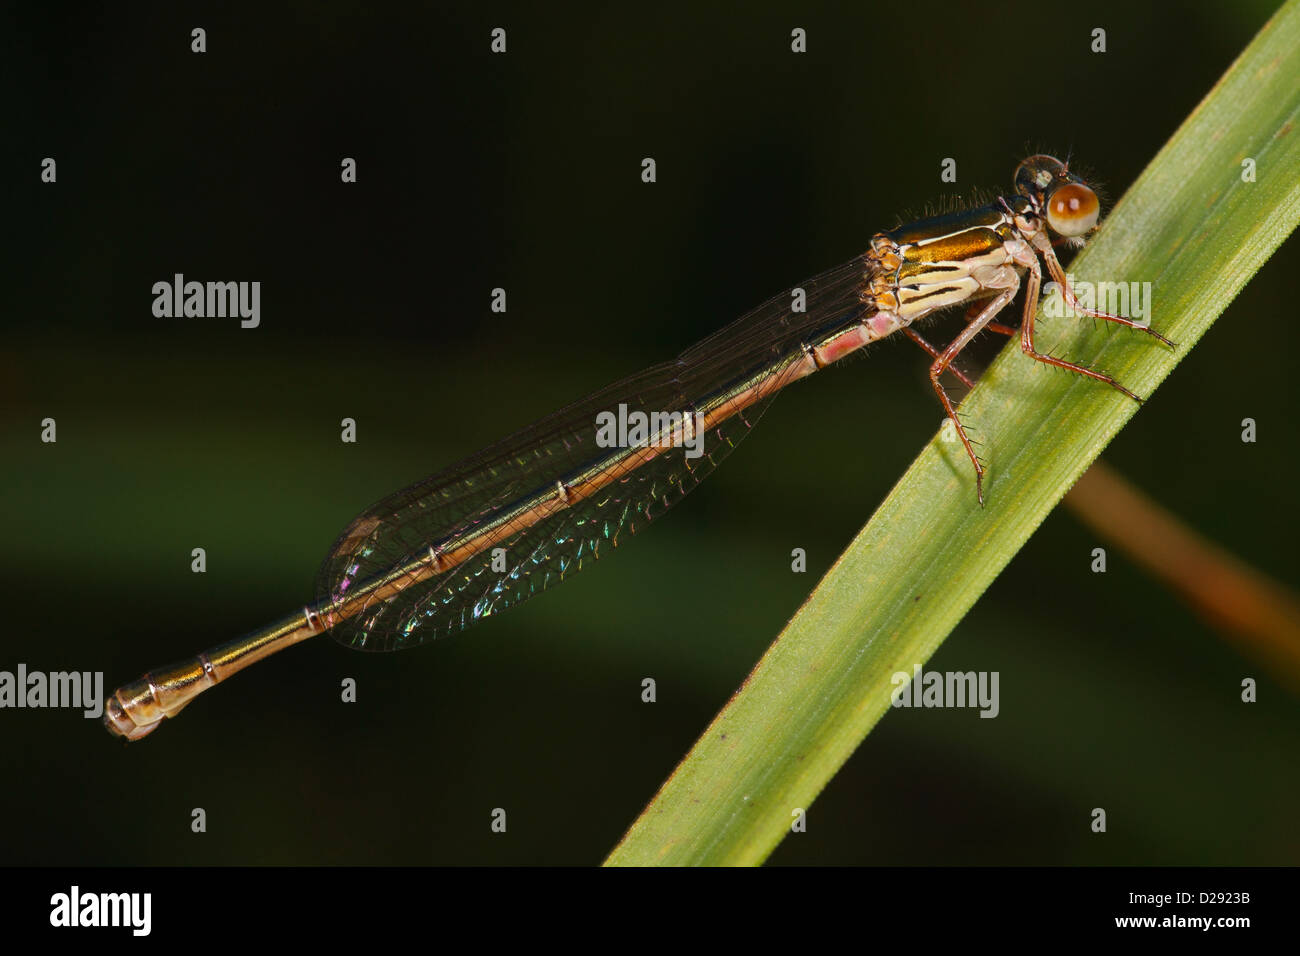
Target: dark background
x,y
523,171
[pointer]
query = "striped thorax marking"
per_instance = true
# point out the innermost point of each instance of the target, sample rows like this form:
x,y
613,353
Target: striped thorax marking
x,y
950,261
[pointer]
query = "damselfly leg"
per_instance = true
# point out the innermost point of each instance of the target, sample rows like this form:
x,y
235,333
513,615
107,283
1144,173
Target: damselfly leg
x,y
1071,300
981,317
934,353
944,361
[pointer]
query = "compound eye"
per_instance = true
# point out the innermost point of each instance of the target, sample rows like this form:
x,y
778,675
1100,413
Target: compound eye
x,y
1072,210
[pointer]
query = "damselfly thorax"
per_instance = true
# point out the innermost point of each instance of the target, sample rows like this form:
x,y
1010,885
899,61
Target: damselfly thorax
x,y
984,253
526,513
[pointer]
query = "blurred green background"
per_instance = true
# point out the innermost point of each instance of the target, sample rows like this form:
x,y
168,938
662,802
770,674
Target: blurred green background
x,y
522,171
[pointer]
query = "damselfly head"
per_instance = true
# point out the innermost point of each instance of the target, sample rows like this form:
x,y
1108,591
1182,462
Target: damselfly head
x,y
1069,204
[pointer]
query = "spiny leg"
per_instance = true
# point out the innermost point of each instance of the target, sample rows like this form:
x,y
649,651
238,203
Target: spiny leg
x,y
978,307
945,359
933,352
1067,293
997,327
915,336
1027,336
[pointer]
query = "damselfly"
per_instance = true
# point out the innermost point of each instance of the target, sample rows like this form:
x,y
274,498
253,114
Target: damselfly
x,y
528,512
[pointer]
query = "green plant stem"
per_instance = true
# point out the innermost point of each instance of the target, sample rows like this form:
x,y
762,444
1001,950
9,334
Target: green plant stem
x,y
1193,228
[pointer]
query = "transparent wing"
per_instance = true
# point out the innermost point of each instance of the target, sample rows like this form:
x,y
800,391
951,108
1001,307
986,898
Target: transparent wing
x,y
494,488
